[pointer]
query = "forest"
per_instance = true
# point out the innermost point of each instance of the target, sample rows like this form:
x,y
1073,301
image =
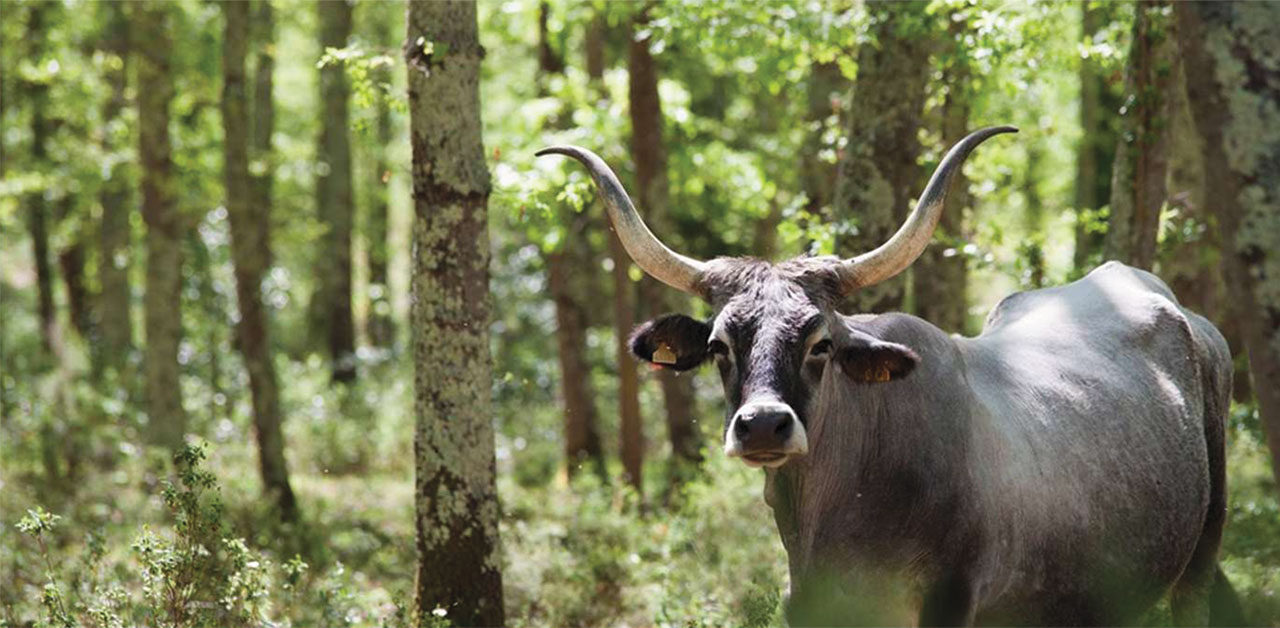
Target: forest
x,y
296,329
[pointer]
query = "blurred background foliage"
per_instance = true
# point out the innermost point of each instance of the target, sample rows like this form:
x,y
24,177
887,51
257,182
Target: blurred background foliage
x,y
103,528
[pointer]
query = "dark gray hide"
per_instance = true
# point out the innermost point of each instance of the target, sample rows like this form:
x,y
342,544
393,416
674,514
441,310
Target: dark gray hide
x,y
1064,467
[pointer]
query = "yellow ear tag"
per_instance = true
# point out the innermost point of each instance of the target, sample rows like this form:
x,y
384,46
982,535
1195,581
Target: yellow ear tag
x,y
664,355
882,375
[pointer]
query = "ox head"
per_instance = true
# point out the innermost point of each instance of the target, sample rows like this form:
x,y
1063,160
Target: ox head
x,y
776,336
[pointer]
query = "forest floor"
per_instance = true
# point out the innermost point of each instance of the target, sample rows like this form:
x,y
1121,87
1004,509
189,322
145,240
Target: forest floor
x,y
575,554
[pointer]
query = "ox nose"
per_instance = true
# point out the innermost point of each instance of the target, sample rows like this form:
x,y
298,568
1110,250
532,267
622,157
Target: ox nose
x,y
763,427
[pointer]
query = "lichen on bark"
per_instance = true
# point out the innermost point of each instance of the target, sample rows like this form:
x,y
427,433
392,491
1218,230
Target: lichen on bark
x,y
457,503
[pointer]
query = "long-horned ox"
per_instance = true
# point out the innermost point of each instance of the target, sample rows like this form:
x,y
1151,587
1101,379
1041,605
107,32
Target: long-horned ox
x,y
1064,467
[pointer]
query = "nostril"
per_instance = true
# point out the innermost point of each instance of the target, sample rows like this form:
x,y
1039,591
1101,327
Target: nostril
x,y
784,428
741,429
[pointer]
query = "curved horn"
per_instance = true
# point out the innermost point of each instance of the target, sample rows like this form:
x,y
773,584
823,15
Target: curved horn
x,y
913,236
649,253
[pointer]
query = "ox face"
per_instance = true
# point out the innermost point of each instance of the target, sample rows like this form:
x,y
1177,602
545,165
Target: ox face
x,y
773,339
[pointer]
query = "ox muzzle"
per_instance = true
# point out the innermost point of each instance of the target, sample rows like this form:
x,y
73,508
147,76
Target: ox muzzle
x,y
765,434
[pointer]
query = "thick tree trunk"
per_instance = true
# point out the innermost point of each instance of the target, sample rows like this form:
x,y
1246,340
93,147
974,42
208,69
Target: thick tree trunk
x,y
630,428
941,278
878,179
115,328
380,325
162,304
334,199
1096,152
1141,162
250,245
566,269
459,565
1233,84
1192,261
650,157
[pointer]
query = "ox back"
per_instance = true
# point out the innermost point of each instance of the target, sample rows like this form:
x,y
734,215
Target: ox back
x,y
1064,467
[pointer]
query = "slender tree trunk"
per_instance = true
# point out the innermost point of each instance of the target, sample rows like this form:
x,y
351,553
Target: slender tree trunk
x,y
459,564
115,327
71,261
941,278
381,326
1031,251
37,208
1141,164
332,307
250,248
162,304
565,268
1096,152
818,175
630,427
1233,83
878,179
650,157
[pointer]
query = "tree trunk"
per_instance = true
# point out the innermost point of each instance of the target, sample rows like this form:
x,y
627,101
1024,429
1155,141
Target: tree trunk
x,y
1233,84
37,94
565,270
878,179
1141,162
381,326
650,157
459,566
941,279
630,427
1191,261
162,304
332,307
250,245
1096,153
818,175
71,266
115,327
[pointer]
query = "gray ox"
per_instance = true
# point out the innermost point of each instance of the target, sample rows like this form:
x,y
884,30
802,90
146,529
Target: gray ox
x,y
1064,467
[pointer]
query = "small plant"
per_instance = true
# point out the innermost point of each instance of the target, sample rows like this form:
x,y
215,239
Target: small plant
x,y
36,524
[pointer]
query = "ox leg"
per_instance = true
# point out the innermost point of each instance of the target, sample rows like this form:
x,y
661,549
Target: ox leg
x,y
949,602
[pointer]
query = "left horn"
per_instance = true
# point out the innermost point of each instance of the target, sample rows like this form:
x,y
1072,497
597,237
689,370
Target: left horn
x,y
913,236
649,253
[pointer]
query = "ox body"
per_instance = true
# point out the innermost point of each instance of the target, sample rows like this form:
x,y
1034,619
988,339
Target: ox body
x,y
1064,467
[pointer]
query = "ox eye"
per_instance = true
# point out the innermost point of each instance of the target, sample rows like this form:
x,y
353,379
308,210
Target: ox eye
x,y
820,348
717,348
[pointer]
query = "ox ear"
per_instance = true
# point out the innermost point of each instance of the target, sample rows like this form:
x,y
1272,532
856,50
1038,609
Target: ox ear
x,y
868,359
673,341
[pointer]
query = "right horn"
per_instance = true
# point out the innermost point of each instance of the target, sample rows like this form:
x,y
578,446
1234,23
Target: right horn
x,y
650,254
909,242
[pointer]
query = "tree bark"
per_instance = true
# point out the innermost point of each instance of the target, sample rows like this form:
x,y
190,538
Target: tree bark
x,y
459,565
334,199
878,179
565,270
71,259
37,208
1096,153
1233,84
250,246
817,175
1141,162
162,303
115,327
941,278
381,326
650,156
630,427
